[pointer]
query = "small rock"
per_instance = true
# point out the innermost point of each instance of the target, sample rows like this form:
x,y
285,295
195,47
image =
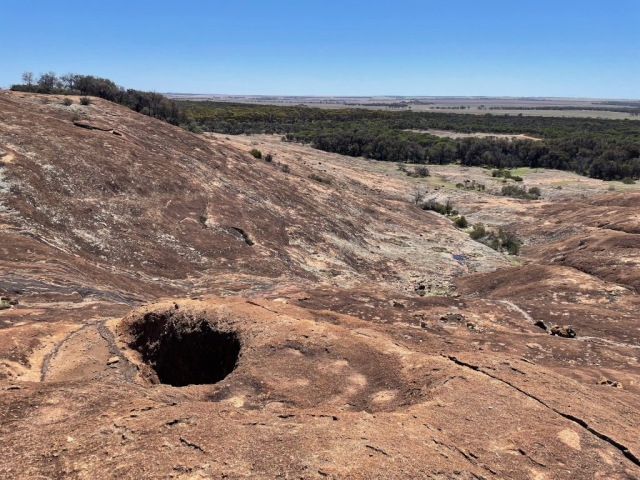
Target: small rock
x,y
452,317
472,327
113,360
609,383
562,331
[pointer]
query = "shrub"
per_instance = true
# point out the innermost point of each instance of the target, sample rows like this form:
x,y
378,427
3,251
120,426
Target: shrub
x,y
505,174
502,241
508,241
461,222
285,168
85,101
519,192
419,172
611,188
67,102
318,178
501,173
191,126
417,196
442,209
268,158
478,231
256,153
628,181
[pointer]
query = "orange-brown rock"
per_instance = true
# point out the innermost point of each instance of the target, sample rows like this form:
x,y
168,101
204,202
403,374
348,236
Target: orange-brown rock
x,y
187,311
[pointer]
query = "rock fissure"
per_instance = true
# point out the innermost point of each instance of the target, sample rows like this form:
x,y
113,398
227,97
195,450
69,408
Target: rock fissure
x,y
623,449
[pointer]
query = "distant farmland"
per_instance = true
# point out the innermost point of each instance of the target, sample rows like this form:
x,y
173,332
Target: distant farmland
x,y
531,107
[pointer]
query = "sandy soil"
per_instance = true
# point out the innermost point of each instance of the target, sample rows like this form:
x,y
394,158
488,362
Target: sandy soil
x,y
450,134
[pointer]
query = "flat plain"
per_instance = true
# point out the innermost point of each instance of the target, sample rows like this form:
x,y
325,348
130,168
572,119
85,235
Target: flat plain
x,y
546,107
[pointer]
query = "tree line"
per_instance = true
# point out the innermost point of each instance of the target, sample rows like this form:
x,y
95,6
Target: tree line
x,y
148,103
599,148
236,118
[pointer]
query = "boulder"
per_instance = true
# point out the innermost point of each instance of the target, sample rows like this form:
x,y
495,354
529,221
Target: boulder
x,y
564,331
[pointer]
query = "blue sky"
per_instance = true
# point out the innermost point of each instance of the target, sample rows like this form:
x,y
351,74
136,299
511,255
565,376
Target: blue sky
x,y
449,47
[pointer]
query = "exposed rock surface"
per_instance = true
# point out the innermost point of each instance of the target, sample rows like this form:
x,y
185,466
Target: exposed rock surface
x,y
187,311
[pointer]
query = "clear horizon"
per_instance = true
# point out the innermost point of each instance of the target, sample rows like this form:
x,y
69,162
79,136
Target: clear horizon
x,y
569,49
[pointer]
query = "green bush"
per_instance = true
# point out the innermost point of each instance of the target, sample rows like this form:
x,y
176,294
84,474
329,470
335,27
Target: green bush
x,y
502,241
419,172
67,102
519,192
256,153
268,158
461,222
628,181
505,174
320,179
85,101
478,231
442,209
192,127
6,302
285,168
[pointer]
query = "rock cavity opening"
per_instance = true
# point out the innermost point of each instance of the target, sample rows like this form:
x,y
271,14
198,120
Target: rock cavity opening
x,y
186,351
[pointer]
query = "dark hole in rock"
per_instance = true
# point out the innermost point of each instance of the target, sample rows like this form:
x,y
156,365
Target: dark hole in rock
x,y
187,352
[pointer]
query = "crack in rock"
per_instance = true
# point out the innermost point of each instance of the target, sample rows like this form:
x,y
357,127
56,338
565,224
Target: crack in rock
x,y
623,449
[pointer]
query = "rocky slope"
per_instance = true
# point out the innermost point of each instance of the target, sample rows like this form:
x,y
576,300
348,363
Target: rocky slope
x,y
324,329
